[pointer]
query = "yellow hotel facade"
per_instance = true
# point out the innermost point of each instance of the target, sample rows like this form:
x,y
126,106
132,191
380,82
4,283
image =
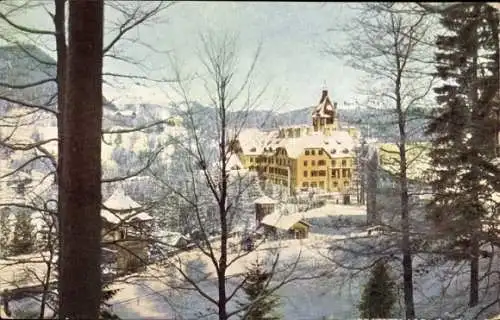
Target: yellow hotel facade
x,y
318,156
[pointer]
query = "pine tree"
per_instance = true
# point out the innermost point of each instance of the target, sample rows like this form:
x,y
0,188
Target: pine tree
x,y
260,302
5,231
23,241
107,294
378,295
463,128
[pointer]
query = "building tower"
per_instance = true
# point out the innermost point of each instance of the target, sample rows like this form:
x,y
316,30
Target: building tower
x,y
324,115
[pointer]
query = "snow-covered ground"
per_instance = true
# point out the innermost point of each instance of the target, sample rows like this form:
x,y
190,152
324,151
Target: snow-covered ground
x,y
323,289
161,293
333,292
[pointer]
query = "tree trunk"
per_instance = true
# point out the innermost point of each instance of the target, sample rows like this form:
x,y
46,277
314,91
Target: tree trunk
x,y
474,271
222,208
80,277
405,210
60,29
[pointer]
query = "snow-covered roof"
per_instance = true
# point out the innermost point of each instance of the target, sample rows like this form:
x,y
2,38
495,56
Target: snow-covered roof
x,y
119,201
253,140
171,238
338,144
265,200
283,222
234,163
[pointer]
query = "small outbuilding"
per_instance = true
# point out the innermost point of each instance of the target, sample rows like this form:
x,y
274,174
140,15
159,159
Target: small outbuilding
x,y
292,226
263,207
126,229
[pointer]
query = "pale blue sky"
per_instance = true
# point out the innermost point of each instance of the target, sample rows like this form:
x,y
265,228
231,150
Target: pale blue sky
x,y
293,36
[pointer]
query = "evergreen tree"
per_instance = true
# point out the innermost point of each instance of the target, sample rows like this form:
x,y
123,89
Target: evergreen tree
x,y
462,129
5,231
107,294
23,240
378,295
260,302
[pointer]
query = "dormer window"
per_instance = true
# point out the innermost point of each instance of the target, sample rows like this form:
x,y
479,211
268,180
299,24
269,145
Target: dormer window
x,y
345,151
253,149
333,151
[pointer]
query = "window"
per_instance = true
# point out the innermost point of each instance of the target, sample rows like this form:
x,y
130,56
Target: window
x,y
334,163
333,151
307,152
321,163
313,163
305,163
305,184
344,173
335,184
305,173
253,149
346,183
313,152
344,163
322,173
251,159
321,184
348,173
313,184
320,152
314,173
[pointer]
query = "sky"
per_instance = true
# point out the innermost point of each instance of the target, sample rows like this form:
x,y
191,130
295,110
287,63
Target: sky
x,y
292,66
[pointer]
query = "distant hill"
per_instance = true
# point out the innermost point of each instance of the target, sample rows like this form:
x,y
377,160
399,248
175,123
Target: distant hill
x,y
380,124
27,64
28,74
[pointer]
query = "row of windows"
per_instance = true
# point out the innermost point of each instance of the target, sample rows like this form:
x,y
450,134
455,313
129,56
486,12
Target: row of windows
x,y
279,161
320,152
313,152
321,184
280,171
346,173
284,162
323,163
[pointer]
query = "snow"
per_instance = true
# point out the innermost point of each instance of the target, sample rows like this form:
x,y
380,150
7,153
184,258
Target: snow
x,y
119,201
23,270
280,221
265,200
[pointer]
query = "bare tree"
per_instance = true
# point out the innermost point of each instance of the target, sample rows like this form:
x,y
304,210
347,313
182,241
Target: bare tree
x,y
388,43
37,100
212,192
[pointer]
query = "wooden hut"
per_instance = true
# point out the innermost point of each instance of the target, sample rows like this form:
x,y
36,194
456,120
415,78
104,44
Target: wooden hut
x,y
292,226
126,230
263,207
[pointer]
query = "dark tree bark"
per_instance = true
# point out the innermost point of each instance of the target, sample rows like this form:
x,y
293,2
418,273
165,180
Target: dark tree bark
x,y
80,275
60,35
